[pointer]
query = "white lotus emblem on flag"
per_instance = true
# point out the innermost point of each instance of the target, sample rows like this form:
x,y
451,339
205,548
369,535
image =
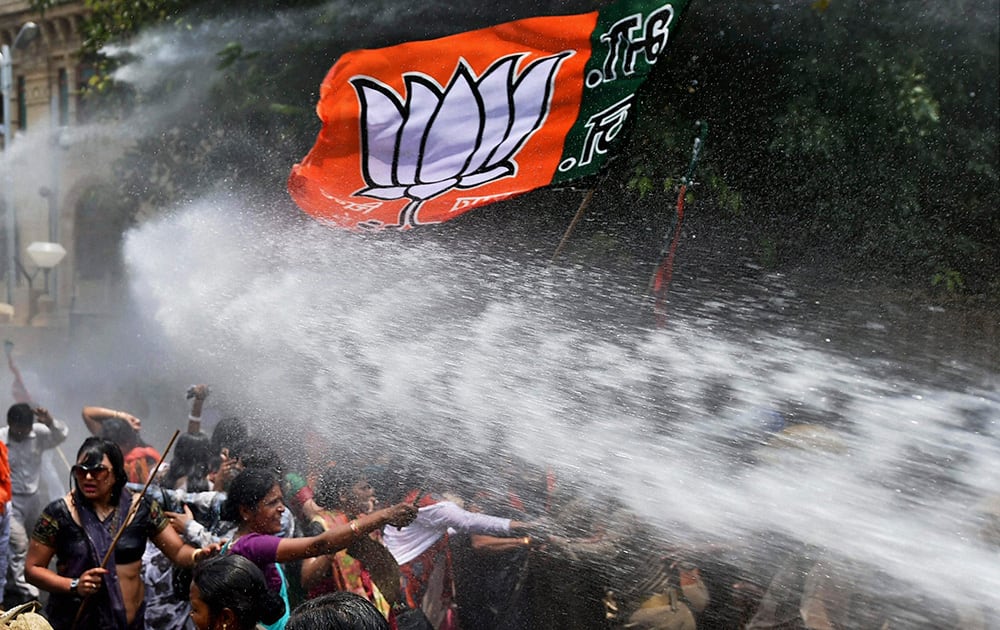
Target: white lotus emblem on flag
x,y
460,136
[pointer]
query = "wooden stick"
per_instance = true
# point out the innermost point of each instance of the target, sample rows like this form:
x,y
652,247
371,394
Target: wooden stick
x,y
136,502
572,224
62,456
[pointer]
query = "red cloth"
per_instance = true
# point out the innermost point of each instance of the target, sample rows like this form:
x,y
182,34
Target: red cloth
x,y
6,492
139,463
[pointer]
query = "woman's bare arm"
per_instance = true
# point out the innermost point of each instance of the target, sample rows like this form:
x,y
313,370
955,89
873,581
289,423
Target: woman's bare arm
x,y
341,536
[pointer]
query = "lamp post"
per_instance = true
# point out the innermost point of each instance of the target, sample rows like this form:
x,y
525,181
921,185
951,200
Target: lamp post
x,y
28,32
45,255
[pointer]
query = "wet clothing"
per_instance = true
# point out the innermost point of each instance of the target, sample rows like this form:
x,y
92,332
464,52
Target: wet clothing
x,y
421,549
5,509
167,601
139,463
81,540
346,572
165,609
432,522
206,527
262,550
25,457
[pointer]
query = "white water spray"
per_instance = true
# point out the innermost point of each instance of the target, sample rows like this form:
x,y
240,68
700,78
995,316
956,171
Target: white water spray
x,y
446,350
406,343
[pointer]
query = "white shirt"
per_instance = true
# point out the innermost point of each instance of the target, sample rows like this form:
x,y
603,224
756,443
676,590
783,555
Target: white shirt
x,y
433,522
25,457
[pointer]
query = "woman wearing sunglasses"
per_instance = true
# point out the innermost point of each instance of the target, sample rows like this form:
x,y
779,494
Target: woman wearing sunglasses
x,y
78,530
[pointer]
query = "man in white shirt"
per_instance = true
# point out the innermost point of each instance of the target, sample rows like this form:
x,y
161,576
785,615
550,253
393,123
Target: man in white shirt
x,y
26,440
420,548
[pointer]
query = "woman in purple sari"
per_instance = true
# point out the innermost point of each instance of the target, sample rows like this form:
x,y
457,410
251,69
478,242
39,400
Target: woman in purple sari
x,y
78,530
254,503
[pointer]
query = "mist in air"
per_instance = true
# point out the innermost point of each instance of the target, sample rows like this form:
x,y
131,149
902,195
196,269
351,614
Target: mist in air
x,y
429,344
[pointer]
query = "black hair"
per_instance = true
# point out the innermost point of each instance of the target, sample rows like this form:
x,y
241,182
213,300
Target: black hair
x,y
247,490
190,460
214,463
256,453
340,610
120,432
238,584
334,481
20,415
228,434
393,483
92,453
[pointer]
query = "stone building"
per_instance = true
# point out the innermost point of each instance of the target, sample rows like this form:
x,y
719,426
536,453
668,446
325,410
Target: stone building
x,y
53,173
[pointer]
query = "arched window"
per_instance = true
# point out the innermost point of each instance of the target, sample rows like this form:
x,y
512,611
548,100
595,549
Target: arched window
x,y
100,223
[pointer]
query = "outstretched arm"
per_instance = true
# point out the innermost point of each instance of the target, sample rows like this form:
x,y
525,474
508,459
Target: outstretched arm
x,y
341,537
447,514
495,544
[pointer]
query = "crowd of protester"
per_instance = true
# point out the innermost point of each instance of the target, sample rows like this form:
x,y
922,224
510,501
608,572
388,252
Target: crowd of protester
x,y
237,529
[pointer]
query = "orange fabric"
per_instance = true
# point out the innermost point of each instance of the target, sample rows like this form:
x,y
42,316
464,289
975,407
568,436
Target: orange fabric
x,y
6,491
139,463
325,182
346,572
417,573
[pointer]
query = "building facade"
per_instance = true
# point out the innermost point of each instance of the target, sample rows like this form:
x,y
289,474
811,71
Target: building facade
x,y
54,170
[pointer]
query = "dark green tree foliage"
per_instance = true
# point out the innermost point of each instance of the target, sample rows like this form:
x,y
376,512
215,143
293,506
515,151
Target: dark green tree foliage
x,y
844,133
855,134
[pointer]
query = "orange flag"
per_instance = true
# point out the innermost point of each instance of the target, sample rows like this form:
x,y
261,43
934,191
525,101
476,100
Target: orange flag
x,y
424,131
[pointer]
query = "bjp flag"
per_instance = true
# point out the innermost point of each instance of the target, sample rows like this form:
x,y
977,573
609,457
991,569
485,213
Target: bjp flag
x,y
424,131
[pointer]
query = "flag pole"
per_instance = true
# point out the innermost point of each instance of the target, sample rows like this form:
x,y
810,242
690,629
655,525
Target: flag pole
x,y
572,224
660,281
136,502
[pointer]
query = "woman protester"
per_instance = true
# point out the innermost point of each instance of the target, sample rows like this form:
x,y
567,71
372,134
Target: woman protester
x,y
78,531
254,503
190,465
230,593
123,428
343,493
167,605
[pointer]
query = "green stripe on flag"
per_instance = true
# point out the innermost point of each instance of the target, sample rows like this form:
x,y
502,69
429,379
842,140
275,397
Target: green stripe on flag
x,y
629,38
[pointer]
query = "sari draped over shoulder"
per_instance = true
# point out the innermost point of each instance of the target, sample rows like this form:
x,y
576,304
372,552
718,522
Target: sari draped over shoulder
x,y
348,573
106,608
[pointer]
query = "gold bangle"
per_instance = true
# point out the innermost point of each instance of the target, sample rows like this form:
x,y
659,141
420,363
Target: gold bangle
x,y
194,556
526,540
354,527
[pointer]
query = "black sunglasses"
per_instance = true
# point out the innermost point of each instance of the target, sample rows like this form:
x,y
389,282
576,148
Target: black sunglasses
x,y
97,472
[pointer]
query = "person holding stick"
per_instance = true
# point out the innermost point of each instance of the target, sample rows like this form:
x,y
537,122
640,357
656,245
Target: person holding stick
x,y
97,537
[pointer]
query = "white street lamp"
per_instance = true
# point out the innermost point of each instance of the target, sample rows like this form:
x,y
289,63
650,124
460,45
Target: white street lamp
x,y
45,255
24,37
